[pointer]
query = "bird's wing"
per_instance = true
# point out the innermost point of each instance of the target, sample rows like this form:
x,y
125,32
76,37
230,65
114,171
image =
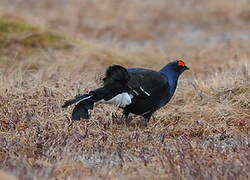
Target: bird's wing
x,y
146,83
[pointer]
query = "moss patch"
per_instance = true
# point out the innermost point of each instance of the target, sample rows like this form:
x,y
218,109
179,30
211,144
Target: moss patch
x,y
18,38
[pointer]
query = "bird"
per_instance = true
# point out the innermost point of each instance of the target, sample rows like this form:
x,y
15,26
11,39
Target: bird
x,y
138,91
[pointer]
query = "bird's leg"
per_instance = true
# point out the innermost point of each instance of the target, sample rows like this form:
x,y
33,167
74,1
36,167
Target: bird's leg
x,y
145,121
125,116
115,118
146,118
120,119
114,115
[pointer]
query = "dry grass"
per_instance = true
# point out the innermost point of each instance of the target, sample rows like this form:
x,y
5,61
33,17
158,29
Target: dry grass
x,y
204,133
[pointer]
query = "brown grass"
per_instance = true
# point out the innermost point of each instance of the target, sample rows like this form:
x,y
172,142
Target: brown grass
x,y
203,133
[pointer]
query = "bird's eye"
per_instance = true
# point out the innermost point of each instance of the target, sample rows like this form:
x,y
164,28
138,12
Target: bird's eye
x,y
181,63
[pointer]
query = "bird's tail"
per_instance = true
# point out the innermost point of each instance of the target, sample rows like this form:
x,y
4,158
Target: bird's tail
x,y
115,82
77,98
81,109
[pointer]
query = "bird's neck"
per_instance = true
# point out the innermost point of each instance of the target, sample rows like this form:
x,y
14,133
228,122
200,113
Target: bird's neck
x,y
172,78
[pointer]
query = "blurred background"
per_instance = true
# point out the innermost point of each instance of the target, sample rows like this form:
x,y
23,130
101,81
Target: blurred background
x,y
51,50
207,32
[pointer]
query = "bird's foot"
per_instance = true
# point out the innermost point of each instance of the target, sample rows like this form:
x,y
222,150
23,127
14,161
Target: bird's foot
x,y
127,120
120,119
145,122
116,118
114,115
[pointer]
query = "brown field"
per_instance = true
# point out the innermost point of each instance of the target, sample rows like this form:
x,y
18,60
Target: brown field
x,y
51,50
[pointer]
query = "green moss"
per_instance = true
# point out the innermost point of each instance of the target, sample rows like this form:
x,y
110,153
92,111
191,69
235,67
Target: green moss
x,y
14,25
45,40
18,36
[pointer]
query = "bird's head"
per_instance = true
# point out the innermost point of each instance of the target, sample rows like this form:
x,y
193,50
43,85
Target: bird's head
x,y
174,69
179,66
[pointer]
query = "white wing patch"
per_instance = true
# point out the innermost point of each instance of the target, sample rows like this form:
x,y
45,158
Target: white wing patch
x,y
120,100
144,91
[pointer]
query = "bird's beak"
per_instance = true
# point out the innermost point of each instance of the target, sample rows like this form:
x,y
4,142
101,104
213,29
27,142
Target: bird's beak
x,y
186,68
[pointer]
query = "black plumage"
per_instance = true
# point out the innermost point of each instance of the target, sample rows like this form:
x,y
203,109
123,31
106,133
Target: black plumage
x,y
136,90
150,89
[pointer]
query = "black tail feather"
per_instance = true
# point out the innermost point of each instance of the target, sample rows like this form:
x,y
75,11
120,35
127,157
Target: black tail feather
x,y
81,110
116,74
76,99
115,83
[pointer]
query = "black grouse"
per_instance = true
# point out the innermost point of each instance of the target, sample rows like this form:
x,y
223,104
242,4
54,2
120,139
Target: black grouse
x,y
136,90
